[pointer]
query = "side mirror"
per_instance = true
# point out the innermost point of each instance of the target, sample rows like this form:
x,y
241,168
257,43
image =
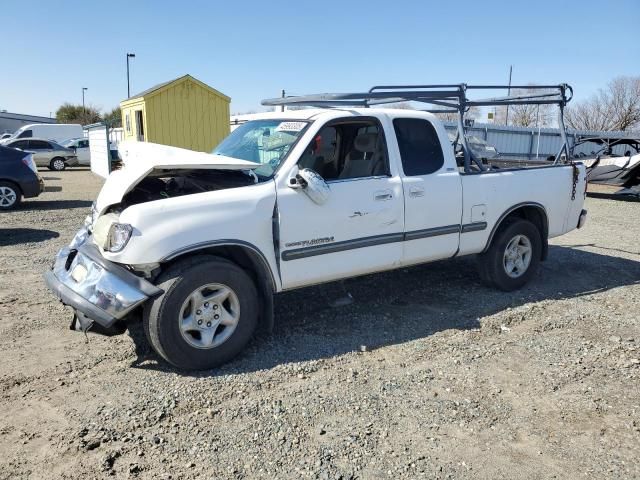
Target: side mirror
x,y
312,184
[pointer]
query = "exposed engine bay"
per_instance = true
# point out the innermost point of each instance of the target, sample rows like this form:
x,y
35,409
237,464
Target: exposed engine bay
x,y
161,184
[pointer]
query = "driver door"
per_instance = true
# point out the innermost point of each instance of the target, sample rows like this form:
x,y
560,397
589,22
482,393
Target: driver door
x,y
360,228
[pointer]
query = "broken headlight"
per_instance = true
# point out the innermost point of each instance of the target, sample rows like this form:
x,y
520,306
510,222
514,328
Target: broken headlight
x,y
119,235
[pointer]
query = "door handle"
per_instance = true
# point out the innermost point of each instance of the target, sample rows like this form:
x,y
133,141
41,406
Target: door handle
x,y
383,195
416,192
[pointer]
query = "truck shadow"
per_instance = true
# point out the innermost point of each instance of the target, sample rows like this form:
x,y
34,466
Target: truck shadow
x,y
16,236
404,305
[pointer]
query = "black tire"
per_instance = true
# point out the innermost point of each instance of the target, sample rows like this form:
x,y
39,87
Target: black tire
x,y
492,265
10,195
57,164
162,315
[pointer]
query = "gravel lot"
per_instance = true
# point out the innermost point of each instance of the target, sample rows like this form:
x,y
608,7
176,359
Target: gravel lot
x,y
456,380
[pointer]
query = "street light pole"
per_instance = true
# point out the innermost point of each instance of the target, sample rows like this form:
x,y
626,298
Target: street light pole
x,y
129,55
84,89
84,111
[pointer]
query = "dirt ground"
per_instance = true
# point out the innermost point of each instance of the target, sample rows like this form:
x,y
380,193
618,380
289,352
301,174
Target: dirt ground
x,y
456,380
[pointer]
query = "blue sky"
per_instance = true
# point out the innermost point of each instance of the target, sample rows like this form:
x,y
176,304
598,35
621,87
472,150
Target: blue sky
x,y
250,50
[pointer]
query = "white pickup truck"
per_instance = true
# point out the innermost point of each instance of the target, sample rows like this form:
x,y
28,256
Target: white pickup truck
x,y
200,242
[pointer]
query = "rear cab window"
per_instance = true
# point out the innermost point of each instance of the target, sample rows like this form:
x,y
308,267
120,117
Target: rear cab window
x,y
420,148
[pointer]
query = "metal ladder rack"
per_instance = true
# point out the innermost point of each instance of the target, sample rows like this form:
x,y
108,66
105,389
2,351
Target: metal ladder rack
x,y
451,98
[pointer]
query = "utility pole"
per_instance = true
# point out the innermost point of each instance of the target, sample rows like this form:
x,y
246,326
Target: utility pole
x,y
129,55
506,120
282,106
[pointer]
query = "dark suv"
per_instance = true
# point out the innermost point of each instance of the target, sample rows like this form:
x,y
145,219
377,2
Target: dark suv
x,y
18,177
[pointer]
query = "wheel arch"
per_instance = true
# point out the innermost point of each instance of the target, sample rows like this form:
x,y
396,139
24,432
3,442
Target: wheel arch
x,y
249,258
531,211
13,183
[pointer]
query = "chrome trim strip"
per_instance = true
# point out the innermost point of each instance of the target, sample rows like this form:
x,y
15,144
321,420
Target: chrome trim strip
x,y
432,232
305,252
375,240
473,227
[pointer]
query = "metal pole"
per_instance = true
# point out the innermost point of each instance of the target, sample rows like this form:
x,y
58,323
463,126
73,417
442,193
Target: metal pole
x,y
84,111
506,120
282,107
538,124
129,55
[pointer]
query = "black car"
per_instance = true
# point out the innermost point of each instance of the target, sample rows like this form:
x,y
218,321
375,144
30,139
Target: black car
x,y
18,177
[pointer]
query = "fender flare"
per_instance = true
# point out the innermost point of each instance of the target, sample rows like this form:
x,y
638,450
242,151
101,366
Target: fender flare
x,y
266,286
545,227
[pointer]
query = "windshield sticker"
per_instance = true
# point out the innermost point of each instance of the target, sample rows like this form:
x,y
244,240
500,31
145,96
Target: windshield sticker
x,y
291,126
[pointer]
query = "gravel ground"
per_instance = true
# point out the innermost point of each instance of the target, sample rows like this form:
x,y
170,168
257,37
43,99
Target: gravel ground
x,y
456,380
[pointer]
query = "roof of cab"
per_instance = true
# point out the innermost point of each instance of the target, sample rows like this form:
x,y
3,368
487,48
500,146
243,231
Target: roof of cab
x,y
313,113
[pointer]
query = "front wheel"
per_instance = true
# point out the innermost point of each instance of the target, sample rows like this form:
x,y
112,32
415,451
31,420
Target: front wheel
x,y
206,315
513,257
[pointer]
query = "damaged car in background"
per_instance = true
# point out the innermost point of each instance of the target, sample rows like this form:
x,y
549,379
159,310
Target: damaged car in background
x,y
198,244
614,161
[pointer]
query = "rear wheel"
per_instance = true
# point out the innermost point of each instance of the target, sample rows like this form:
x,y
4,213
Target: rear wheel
x,y
513,257
206,315
57,164
10,195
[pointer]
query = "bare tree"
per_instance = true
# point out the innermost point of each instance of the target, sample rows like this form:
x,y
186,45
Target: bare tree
x,y
524,115
472,114
617,107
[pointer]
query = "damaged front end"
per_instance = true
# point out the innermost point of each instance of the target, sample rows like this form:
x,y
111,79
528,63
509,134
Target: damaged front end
x,y
99,291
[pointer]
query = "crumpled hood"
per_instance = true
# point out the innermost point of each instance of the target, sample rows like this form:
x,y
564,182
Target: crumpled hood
x,y
140,158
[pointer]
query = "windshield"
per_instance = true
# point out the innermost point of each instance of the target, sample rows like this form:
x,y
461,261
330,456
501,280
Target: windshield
x,y
266,142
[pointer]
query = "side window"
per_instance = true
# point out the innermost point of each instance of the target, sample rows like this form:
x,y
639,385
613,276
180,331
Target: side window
x,y
347,150
26,134
39,145
21,144
420,148
83,143
127,122
322,154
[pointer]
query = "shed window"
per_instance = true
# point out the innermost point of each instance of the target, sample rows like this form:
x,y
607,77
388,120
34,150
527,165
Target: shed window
x,y
420,148
127,122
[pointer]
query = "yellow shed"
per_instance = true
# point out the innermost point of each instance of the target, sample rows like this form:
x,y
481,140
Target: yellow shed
x,y
182,113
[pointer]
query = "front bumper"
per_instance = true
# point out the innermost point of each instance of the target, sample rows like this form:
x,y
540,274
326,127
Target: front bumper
x,y
98,290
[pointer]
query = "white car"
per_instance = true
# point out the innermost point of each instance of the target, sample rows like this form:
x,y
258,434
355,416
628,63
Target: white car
x,y
201,242
81,147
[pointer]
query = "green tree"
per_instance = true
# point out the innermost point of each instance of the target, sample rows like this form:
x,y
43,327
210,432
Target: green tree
x,y
113,118
69,113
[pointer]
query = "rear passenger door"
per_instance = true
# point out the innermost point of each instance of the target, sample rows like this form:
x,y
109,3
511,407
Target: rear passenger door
x,y
432,191
41,152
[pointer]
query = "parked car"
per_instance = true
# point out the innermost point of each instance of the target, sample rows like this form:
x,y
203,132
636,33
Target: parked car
x,y
81,147
46,153
19,178
199,243
50,131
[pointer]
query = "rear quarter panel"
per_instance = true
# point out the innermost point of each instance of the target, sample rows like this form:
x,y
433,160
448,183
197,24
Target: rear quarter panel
x,y
501,190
